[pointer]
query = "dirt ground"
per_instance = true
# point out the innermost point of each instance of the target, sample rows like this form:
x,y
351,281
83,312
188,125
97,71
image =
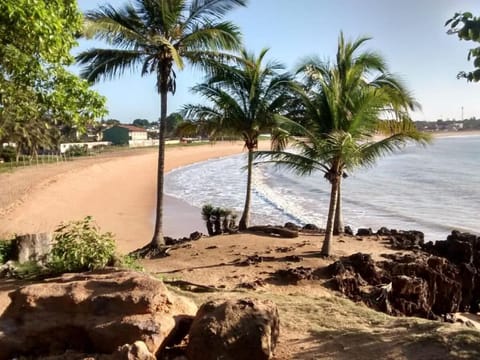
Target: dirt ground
x,y
316,322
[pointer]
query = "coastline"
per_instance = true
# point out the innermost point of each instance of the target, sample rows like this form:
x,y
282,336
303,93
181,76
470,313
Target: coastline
x,y
446,134
119,193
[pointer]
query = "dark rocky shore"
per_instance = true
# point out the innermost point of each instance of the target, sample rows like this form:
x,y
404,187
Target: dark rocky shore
x,y
432,280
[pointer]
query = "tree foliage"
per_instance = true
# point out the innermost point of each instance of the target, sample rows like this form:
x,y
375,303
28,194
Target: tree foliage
x,y
245,97
345,105
157,38
467,27
37,93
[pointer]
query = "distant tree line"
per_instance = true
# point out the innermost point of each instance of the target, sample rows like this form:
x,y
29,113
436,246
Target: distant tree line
x,y
453,125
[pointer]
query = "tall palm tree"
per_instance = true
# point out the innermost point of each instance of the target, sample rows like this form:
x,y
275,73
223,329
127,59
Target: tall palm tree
x,y
356,112
157,37
247,98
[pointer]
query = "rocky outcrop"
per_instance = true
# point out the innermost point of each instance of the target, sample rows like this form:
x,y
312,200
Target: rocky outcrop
x,y
463,250
403,240
90,313
245,329
412,285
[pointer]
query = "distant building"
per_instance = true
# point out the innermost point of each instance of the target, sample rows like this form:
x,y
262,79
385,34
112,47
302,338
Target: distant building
x,y
126,135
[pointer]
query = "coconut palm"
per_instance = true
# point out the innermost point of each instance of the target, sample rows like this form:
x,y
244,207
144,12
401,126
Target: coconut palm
x,y
356,112
157,37
247,97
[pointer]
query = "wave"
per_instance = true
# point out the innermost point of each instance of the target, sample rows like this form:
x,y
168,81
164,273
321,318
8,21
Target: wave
x,y
434,191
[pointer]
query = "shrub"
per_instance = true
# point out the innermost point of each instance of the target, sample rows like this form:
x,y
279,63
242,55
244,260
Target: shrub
x,y
8,153
6,250
79,246
218,220
77,150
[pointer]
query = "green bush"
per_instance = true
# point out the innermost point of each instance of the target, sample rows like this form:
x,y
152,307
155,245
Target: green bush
x,y
8,153
77,150
79,246
6,250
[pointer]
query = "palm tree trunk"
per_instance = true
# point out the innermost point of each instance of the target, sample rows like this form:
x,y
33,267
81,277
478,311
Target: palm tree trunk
x,y
158,240
243,224
338,227
327,243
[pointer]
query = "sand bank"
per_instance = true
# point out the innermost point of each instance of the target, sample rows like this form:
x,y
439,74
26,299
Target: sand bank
x,y
119,192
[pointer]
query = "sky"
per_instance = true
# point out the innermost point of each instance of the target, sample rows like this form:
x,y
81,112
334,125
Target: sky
x,y
410,34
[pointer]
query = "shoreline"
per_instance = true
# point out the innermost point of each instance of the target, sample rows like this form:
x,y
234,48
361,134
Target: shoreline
x,y
446,134
118,192
121,197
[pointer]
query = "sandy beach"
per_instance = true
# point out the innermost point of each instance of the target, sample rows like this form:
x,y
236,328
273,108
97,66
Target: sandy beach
x,y
118,191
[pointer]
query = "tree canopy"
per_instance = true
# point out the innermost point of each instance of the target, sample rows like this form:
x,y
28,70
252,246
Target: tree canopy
x,y
245,97
345,104
37,93
157,38
467,27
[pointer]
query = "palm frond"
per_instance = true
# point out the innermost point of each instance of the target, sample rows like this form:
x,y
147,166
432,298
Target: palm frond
x,y
208,9
212,36
107,63
297,163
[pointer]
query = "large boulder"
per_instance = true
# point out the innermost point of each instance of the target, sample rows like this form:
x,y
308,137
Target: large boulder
x,y
92,312
245,329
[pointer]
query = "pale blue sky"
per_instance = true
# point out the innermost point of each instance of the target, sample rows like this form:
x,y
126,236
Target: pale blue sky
x,y
410,34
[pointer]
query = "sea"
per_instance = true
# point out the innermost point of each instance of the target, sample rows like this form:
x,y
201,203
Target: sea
x,y
433,189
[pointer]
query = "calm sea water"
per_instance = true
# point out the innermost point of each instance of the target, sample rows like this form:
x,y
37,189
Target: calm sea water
x,y
433,189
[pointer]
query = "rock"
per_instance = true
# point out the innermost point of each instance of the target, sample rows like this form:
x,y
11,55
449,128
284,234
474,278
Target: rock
x,y
348,230
274,231
362,264
196,235
406,240
291,226
137,351
383,231
412,285
458,248
293,276
311,228
364,232
32,247
93,312
410,296
463,250
245,329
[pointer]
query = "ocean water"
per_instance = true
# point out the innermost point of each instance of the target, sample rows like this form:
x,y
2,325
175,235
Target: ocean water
x,y
434,189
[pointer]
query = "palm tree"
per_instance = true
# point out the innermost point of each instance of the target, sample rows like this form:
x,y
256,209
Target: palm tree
x,y
356,112
157,37
246,99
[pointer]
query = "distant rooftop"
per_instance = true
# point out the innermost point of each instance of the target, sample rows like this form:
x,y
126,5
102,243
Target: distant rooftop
x,y
132,128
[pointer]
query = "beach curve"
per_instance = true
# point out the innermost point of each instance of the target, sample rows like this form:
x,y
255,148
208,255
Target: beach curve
x,y
119,192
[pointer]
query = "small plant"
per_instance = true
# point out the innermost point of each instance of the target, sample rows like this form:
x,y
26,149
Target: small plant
x,y
218,220
6,250
79,246
77,150
8,153
130,262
